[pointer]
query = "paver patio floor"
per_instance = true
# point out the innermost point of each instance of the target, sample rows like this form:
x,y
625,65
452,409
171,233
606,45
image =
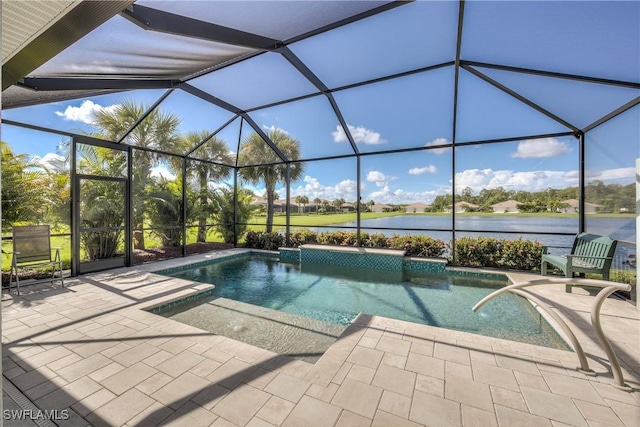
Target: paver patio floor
x,y
91,349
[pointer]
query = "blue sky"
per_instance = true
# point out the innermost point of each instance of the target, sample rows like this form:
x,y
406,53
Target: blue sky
x,y
417,110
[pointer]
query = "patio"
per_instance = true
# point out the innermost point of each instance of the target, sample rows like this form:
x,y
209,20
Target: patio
x,y
90,348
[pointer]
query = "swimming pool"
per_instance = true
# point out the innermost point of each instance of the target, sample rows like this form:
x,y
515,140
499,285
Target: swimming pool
x,y
335,295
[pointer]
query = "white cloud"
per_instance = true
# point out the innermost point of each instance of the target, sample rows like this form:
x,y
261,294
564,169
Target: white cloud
x,y
420,171
480,179
538,148
359,134
53,162
400,196
84,113
312,188
436,142
612,174
379,178
273,128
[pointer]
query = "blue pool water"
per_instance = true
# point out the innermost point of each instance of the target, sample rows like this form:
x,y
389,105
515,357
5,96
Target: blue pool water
x,y
337,294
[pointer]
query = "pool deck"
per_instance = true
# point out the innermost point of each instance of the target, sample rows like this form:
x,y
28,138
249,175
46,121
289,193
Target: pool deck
x,y
91,349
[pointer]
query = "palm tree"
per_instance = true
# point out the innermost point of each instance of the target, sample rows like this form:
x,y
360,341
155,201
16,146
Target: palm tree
x,y
254,151
338,204
304,200
215,150
317,201
156,131
299,201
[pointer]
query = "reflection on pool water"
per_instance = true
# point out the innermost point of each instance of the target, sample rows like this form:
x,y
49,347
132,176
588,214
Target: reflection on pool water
x,y
328,296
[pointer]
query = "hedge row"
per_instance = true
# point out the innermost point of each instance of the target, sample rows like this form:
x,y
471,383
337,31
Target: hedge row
x,y
472,252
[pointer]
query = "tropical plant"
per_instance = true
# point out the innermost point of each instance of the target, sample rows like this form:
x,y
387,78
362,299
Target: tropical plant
x,y
213,150
24,184
302,200
317,201
269,170
338,204
222,203
165,211
156,131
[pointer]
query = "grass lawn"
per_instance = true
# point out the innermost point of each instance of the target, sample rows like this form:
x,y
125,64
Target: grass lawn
x,y
311,220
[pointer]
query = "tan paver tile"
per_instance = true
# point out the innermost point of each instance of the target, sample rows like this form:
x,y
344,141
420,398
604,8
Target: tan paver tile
x,y
342,373
258,422
33,378
93,402
358,397
384,419
495,375
368,342
136,354
453,369
52,384
451,353
231,373
154,383
241,404
425,365
48,356
157,358
204,368
608,392
287,387
276,410
179,363
178,391
68,394
430,385
469,392
474,417
190,414
83,367
128,378
210,396
362,374
509,398
428,409
365,357
600,414
259,378
522,364
394,360
572,387
176,345
349,419
627,413
121,409
106,372
221,422
115,350
394,346
531,381
323,393
152,416
310,412
553,406
394,379
395,403
508,417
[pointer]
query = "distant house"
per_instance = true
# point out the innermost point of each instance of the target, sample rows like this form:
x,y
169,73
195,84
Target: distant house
x,y
415,208
348,207
574,207
509,206
463,207
379,207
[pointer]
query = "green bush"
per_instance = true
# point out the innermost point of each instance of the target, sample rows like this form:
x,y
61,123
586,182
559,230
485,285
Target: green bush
x,y
498,253
375,240
302,237
335,238
261,240
418,246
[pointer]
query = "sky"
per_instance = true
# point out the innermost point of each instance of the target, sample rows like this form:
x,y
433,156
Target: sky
x,y
417,110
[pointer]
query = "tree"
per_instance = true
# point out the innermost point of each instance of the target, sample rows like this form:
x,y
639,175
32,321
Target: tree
x,y
317,201
299,201
304,200
24,187
338,204
225,217
255,151
157,131
214,150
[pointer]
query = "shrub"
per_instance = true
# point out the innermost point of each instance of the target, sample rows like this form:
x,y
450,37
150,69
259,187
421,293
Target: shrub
x,y
333,237
252,239
498,253
418,246
302,237
376,240
271,241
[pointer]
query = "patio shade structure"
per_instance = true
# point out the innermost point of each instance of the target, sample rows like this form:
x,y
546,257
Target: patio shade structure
x,y
562,69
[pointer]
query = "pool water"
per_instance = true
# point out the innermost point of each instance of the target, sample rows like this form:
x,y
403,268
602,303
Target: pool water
x,y
335,295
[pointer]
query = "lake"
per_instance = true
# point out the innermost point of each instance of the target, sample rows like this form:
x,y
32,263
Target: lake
x,y
508,227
